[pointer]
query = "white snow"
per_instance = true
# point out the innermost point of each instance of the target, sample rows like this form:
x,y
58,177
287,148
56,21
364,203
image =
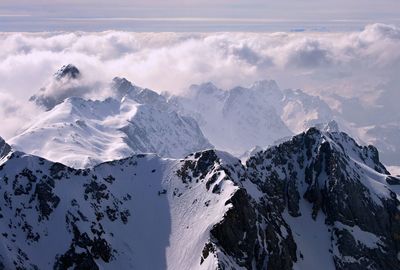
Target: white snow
x,y
367,239
309,234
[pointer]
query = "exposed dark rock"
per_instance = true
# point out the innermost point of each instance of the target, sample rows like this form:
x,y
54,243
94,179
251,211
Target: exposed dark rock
x,y
67,71
237,232
391,180
199,167
208,248
96,190
47,200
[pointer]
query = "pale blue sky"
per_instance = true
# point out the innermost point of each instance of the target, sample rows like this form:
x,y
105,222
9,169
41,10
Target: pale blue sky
x,y
42,15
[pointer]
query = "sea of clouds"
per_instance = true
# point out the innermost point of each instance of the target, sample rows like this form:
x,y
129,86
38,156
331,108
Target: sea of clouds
x,y
363,65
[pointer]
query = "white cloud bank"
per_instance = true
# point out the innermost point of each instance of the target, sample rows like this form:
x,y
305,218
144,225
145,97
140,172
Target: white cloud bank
x,y
356,64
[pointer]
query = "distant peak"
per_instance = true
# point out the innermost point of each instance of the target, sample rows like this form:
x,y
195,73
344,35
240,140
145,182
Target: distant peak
x,y
67,71
123,86
119,82
207,87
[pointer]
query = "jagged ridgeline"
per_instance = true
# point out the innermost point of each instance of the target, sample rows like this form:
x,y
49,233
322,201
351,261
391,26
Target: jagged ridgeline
x,y
316,201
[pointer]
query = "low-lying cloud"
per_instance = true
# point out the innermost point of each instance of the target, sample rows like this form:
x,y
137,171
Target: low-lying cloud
x,y
352,64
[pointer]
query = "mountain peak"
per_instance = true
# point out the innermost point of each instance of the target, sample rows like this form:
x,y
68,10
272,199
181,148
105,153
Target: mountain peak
x,y
67,71
123,86
205,88
64,84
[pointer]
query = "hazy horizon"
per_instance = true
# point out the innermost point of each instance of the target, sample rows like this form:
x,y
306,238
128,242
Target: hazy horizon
x,y
195,16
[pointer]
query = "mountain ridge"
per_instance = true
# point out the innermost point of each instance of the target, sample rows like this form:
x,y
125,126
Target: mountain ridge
x,y
224,213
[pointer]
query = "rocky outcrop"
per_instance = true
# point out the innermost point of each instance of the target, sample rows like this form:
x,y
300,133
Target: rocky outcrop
x,y
67,71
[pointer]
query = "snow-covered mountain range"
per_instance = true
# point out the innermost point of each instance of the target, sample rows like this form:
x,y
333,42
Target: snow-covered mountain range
x,y
242,118
239,119
81,132
315,201
132,181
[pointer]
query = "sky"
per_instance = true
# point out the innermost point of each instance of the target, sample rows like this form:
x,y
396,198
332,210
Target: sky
x,y
204,15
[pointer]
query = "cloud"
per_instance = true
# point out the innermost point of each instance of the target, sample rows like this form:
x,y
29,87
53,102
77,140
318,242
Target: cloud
x,y
351,64
14,114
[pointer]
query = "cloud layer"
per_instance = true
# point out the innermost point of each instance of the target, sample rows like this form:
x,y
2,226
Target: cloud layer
x,y
355,64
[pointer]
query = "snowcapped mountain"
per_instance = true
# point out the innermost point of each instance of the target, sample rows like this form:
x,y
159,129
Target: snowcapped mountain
x,y
242,118
316,201
333,198
80,132
136,213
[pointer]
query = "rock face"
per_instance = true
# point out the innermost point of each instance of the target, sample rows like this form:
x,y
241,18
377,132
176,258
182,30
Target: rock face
x,y
316,201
